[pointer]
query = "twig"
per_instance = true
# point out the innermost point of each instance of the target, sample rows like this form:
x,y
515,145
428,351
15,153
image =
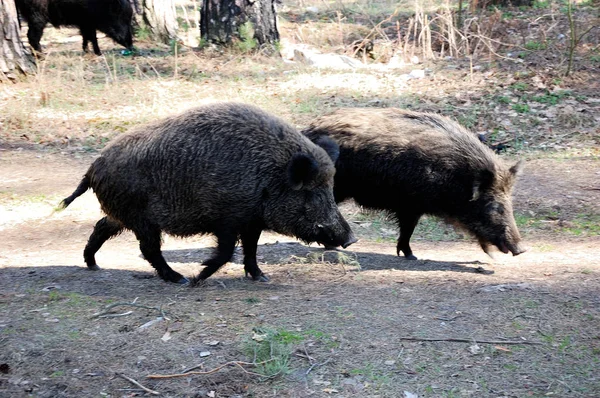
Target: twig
x,y
129,379
314,365
132,304
472,340
236,363
193,368
115,315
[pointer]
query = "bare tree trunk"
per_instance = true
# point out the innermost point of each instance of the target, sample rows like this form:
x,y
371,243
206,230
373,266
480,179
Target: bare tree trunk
x,y
159,16
220,20
15,59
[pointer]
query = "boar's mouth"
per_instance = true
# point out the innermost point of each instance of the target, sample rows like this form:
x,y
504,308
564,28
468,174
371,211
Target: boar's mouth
x,y
331,244
504,247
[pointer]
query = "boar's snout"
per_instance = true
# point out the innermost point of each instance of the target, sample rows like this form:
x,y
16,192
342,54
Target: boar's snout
x,y
352,239
336,234
517,249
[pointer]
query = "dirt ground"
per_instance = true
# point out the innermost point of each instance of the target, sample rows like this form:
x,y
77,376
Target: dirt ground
x,y
352,319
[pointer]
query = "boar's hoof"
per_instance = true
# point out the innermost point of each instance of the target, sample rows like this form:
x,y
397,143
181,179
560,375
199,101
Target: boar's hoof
x,y
93,267
411,257
183,281
329,247
259,278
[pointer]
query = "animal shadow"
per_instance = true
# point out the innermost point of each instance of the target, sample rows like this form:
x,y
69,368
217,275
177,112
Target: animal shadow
x,y
294,253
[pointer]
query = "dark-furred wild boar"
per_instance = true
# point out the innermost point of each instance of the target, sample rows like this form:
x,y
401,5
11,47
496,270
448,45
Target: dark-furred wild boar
x,y
112,17
228,169
411,164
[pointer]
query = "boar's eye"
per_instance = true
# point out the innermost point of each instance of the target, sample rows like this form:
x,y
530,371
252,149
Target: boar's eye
x,y
495,207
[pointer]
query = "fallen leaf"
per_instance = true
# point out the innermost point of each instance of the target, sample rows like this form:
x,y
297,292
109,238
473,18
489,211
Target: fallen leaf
x,y
213,343
166,336
408,394
329,390
210,394
500,348
150,323
175,326
390,362
475,349
259,337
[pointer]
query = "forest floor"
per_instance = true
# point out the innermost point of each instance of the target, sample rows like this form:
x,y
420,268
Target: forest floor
x,y
348,323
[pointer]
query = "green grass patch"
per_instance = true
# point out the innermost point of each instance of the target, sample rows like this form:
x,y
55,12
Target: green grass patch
x,y
521,108
551,98
584,224
520,86
533,45
271,350
372,373
252,300
247,41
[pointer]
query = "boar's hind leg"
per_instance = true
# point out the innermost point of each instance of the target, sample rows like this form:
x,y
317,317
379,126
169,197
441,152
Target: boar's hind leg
x,y
105,229
407,227
149,237
223,253
250,242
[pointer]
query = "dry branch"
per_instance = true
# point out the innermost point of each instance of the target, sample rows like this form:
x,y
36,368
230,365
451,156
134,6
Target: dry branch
x,y
236,363
471,340
129,379
106,312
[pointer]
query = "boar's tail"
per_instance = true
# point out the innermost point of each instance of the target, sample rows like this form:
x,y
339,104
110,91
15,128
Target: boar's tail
x,y
83,186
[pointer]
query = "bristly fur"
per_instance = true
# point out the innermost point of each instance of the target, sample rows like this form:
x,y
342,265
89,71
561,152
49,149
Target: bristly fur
x,y
112,17
411,163
228,169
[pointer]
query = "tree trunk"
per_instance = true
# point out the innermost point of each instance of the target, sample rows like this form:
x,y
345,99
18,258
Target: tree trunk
x,y
15,59
159,16
220,20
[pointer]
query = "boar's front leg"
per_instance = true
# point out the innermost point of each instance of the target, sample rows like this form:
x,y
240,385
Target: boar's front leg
x,y
149,236
223,253
250,242
407,226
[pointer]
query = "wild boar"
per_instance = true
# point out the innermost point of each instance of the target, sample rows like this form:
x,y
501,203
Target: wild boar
x,y
228,169
411,164
112,17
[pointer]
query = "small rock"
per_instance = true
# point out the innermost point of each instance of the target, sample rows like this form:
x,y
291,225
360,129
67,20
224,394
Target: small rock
x,y
204,354
390,362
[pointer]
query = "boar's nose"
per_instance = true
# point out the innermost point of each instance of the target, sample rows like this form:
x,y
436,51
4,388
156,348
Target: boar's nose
x,y
350,241
518,249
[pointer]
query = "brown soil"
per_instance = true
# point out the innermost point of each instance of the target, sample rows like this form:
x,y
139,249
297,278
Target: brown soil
x,y
352,316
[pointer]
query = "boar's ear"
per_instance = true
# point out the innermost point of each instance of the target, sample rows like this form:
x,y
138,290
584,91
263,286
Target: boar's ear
x,y
517,168
302,169
482,183
329,145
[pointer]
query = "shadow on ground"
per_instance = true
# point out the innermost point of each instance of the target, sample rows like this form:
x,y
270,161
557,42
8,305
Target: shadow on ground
x,y
296,253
